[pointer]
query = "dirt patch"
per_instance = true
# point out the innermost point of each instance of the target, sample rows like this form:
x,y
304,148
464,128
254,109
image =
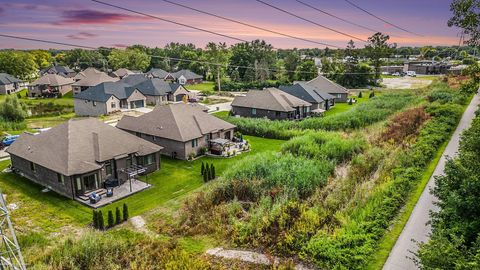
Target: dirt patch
x,y
406,82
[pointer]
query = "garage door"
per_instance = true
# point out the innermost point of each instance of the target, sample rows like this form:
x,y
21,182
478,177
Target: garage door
x,y
137,104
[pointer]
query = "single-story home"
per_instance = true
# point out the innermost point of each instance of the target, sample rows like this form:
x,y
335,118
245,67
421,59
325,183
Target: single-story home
x,y
182,129
339,92
50,85
88,78
159,91
106,98
160,74
78,156
183,76
321,101
59,70
270,103
9,84
425,67
121,73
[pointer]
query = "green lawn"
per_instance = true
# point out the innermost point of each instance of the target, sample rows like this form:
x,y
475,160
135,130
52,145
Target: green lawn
x,y
343,107
176,178
205,86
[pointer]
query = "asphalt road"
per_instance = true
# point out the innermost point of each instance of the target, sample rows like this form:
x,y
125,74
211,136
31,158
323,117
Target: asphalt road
x,y
417,228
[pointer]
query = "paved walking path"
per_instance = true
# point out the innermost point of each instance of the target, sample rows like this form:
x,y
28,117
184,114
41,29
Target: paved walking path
x,y
416,227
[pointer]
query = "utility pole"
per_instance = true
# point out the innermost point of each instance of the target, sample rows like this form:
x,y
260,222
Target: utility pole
x,y
10,255
218,79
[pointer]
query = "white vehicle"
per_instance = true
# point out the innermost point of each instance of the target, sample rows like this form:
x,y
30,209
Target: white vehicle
x,y
411,73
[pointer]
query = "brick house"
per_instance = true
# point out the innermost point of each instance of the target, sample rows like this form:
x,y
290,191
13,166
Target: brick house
x,y
9,84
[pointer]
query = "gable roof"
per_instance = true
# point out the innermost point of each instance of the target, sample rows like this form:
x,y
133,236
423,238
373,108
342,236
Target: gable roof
x,y
76,146
158,73
52,80
102,92
306,92
327,85
92,77
58,69
155,87
269,99
188,74
134,79
122,72
6,78
180,122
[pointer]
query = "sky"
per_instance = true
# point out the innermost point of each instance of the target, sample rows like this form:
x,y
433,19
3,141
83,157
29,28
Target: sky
x,y
84,22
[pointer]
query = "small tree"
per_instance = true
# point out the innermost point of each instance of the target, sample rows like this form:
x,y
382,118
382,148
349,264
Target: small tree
x,y
205,177
95,219
213,171
202,170
118,216
372,94
207,173
350,101
360,95
125,212
110,219
101,222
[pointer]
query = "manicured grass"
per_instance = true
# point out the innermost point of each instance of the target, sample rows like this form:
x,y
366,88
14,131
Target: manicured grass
x,y
48,121
221,115
343,107
205,86
176,178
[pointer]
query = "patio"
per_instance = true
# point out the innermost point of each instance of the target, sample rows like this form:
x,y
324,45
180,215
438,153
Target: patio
x,y
130,187
225,148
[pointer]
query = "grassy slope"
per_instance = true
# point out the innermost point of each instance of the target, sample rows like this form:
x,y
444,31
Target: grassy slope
x,y
176,178
390,238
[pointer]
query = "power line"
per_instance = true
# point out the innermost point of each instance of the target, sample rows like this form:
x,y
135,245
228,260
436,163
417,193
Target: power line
x,y
337,17
178,59
310,21
247,24
381,19
170,21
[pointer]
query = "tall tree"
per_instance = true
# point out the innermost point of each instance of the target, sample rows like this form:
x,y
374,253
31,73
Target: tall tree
x,y
18,63
134,59
378,48
42,58
81,59
466,15
291,61
219,54
306,70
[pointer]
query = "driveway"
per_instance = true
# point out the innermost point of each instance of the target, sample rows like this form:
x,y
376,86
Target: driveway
x,y
417,228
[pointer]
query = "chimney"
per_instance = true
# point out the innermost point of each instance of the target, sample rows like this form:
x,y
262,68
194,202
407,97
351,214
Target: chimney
x,y
96,146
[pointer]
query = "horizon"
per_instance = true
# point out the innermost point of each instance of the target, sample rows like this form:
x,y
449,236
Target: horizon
x,y
91,24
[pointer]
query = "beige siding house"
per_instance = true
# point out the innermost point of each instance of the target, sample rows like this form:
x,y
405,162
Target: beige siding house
x,y
8,84
88,78
50,85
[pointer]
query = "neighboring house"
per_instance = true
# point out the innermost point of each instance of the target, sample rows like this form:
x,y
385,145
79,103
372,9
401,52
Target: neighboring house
x,y
59,70
158,91
391,69
182,77
88,78
107,97
320,100
121,73
186,76
50,85
9,84
134,79
182,129
426,67
339,92
78,156
271,103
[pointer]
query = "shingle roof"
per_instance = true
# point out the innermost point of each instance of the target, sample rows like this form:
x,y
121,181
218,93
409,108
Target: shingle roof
x,y
122,72
188,74
70,148
327,85
269,99
6,78
58,69
306,92
92,77
155,87
180,122
102,92
52,80
158,73
134,79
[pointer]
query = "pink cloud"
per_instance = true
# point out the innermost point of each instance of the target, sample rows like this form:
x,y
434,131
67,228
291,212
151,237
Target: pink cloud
x,y
87,16
81,35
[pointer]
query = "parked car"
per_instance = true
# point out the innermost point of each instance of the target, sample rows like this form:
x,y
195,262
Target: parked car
x,y
8,140
411,73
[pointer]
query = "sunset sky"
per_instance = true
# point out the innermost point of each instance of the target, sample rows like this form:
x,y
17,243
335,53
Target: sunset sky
x,y
84,22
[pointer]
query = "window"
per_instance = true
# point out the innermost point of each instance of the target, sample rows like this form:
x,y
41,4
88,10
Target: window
x,y
339,95
207,138
32,167
194,143
307,109
61,178
94,103
277,114
129,161
150,159
138,134
254,111
108,167
79,183
154,138
113,105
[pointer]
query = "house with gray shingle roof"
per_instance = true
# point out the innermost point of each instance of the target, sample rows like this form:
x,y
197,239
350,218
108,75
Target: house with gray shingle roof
x,y
339,92
121,73
59,70
182,129
9,84
182,77
78,156
50,85
271,103
158,91
106,98
88,78
320,100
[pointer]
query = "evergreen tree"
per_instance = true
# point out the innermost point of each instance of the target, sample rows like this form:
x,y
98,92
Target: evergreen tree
x,y
118,216
213,172
125,212
110,219
95,219
205,177
360,95
101,222
202,170
372,94
350,101
212,176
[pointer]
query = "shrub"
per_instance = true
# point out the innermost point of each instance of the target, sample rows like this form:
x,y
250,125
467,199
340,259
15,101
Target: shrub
x,y
118,216
95,219
125,212
404,125
101,222
360,94
12,110
111,222
202,169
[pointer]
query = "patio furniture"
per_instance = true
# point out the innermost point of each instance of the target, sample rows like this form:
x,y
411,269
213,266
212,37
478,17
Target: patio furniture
x,y
94,198
109,192
111,182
